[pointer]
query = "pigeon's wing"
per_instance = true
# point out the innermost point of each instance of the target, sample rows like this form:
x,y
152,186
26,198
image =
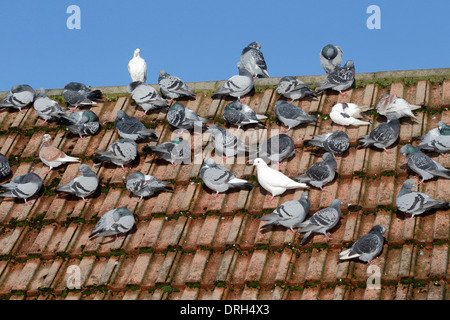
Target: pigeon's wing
x,y
367,244
337,143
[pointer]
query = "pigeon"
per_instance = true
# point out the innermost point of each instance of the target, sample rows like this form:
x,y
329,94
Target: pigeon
x,y
143,185
367,247
292,116
322,221
5,168
290,214
83,185
237,86
83,123
220,179
422,164
173,87
415,202
437,139
253,61
52,156
340,79
384,135
320,172
276,148
183,118
146,96
348,114
114,222
227,144
137,67
120,153
294,89
131,128
22,187
336,142
273,180
330,58
389,103
238,114
176,151
77,94
20,96
47,108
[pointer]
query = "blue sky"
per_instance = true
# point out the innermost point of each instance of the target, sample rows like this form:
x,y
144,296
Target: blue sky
x,y
200,40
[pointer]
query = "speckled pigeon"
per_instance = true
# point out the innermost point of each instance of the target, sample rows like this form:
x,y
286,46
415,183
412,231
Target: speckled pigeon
x,y
176,151
384,135
114,222
392,103
227,144
183,118
143,185
348,114
294,89
83,123
340,79
367,247
237,86
5,168
131,128
330,57
20,96
253,60
22,187
52,156
173,87
292,116
336,142
146,96
137,67
47,108
276,148
238,114
120,153
437,139
78,94
83,185
320,172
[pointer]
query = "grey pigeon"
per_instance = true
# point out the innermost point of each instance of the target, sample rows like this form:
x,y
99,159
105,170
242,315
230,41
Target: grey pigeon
x,y
20,96
173,87
22,187
253,60
176,151
83,123
183,118
120,153
320,172
131,128
47,108
83,185
292,116
276,148
146,96
336,142
227,144
77,94
143,185
290,214
330,57
238,114
114,222
422,164
384,135
322,221
437,139
415,202
220,179
367,247
237,86
5,168
394,104
137,67
340,79
294,89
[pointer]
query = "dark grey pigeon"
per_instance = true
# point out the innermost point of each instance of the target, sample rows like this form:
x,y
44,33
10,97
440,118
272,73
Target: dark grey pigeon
x,y
82,123
5,169
173,87
22,187
77,94
322,221
384,135
220,179
146,96
114,222
238,114
237,86
253,60
83,185
292,116
437,139
415,202
367,247
183,118
292,88
143,185
330,57
120,153
176,152
290,214
227,144
340,79
276,148
422,164
20,96
336,142
131,128
47,108
320,172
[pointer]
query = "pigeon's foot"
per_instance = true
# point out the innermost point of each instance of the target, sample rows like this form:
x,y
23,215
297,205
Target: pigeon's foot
x,y
44,123
82,137
140,199
27,203
142,113
410,218
85,200
445,155
286,130
387,150
22,111
74,109
48,170
270,199
328,236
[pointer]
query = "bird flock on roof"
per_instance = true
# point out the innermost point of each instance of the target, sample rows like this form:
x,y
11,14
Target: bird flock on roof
x,y
216,177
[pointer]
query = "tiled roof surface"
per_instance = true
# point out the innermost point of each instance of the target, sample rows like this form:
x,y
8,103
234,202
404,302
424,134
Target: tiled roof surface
x,y
192,245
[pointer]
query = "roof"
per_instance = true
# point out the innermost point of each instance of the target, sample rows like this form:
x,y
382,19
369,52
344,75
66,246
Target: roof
x,y
192,245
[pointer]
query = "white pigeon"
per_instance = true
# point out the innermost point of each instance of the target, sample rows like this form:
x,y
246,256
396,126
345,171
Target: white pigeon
x,y
273,180
348,114
137,67
392,103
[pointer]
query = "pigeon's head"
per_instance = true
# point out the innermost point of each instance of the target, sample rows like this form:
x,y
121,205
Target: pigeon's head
x,y
258,162
209,162
408,149
344,105
121,115
378,229
441,125
21,88
349,65
328,156
235,105
41,93
304,196
46,138
177,140
177,106
83,168
162,74
133,85
214,129
337,202
121,212
329,52
136,176
255,45
408,184
137,52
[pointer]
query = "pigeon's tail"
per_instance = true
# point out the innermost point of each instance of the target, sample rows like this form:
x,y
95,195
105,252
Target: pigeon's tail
x,y
95,95
348,254
414,107
239,183
69,159
160,152
8,194
305,237
442,173
310,118
364,108
367,142
65,188
303,178
103,156
149,133
438,204
313,142
358,122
